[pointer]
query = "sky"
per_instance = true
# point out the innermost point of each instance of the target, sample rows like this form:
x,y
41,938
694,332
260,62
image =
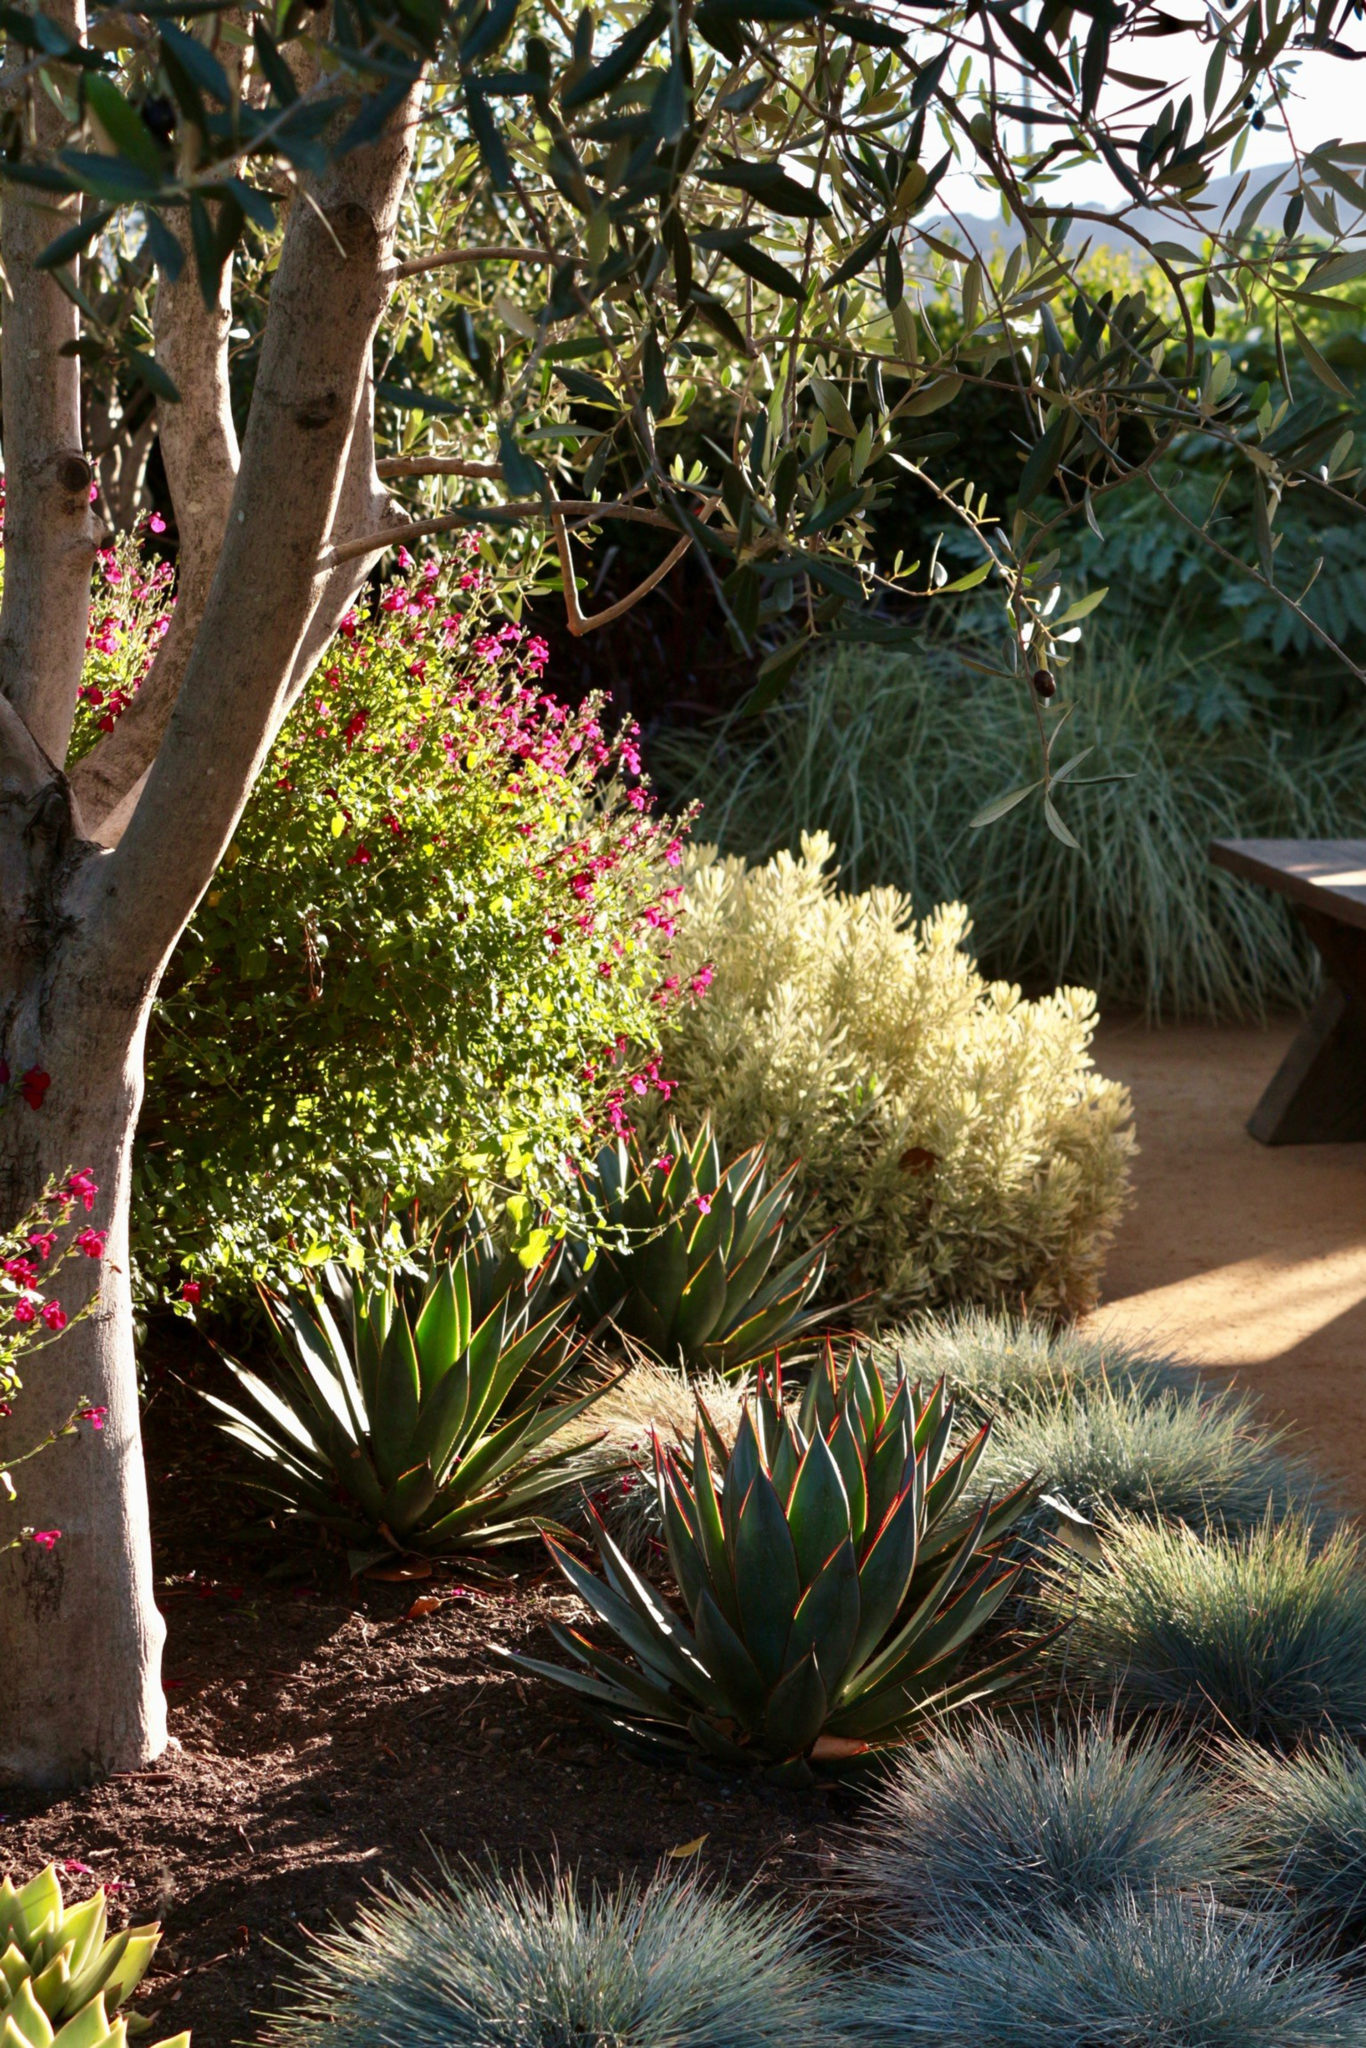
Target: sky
x,y
1329,104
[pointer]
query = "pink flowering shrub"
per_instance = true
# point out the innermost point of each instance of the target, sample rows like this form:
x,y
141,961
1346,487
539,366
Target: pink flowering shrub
x,y
31,1256
435,952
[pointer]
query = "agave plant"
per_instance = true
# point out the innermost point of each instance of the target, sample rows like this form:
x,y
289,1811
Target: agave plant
x,y
63,1973
830,1586
688,1252
417,1410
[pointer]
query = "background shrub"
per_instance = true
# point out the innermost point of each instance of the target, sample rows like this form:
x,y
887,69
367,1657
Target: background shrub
x,y
1195,1455
1024,1823
1169,1973
1305,1832
494,1962
955,1137
432,951
1262,1634
892,755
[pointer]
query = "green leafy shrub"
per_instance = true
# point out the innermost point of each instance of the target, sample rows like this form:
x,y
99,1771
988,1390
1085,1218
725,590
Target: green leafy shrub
x,y
493,1962
1198,1455
418,1411
1023,1824
1305,1833
432,952
63,1976
830,1586
998,1360
893,755
685,1259
1262,1634
1168,1973
952,1135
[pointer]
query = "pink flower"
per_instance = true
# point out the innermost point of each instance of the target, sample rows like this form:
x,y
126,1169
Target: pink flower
x,y
191,1291
704,1203
673,853
81,1188
25,1312
54,1315
42,1242
47,1539
91,1242
96,1417
700,982
156,524
360,858
664,1162
22,1270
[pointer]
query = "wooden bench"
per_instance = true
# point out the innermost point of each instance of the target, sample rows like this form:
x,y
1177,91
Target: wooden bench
x,y
1318,1094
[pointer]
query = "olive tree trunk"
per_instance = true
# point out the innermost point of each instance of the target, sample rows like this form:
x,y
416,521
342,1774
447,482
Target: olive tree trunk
x,y
100,874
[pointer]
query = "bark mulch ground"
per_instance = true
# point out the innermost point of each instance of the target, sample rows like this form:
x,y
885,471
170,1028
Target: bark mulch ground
x,y
328,1731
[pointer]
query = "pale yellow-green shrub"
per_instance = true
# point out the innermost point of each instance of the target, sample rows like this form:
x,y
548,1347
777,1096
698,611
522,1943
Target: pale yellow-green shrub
x,y
955,1134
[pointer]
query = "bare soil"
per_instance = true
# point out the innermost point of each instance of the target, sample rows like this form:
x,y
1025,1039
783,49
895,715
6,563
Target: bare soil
x,y
324,1734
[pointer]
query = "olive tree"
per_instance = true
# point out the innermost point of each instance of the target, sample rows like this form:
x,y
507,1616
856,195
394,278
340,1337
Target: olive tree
x,y
605,215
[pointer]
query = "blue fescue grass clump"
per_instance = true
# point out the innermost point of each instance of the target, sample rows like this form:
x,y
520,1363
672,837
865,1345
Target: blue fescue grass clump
x,y
1260,1634
1026,1822
486,1961
1304,1820
1174,1972
996,1360
1196,1455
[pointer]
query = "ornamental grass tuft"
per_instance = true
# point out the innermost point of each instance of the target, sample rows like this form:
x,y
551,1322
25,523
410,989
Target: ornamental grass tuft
x,y
1174,1972
993,1359
1025,1823
1305,1833
1260,1634
479,1961
1197,1455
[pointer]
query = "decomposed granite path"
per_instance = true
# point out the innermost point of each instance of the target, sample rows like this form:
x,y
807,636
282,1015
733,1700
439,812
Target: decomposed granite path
x,y
1250,1260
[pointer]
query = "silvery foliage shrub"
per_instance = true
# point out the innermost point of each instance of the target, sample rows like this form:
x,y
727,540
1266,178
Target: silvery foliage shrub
x,y
1305,1832
1196,1456
1026,1823
1260,1634
993,1360
1172,1972
494,1962
953,1134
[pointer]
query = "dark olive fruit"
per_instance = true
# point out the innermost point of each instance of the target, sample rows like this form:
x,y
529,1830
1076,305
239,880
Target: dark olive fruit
x,y
1045,683
159,115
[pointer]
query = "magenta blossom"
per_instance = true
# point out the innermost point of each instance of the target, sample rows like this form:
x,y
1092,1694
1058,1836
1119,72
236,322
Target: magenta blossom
x,y
54,1315
47,1539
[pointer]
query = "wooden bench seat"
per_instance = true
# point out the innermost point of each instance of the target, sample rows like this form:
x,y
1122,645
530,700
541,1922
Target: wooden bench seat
x,y
1318,1094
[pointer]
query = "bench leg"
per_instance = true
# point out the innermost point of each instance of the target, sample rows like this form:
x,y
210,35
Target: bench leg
x,y
1319,1094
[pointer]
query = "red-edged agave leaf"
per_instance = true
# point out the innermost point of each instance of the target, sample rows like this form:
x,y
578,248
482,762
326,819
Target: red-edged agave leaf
x,y
911,1693
630,1681
641,1621
711,1529
948,1483
818,1511
742,1468
914,1621
437,1331
394,1418
701,1305
886,1569
660,1269
796,1710
786,1461
846,1449
729,1663
408,1500
679,1510
827,1618
766,1582
931,1415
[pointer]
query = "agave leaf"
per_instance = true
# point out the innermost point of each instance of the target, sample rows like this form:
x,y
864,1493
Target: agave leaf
x,y
740,1688
845,1449
767,1583
408,1499
711,1528
131,1966
393,1419
797,1709
437,1332
630,1682
315,1363
51,1982
818,1511
741,1470
681,1538
642,1622
84,1926
885,1573
663,1268
26,2024
913,1624
827,1618
701,1305
89,2028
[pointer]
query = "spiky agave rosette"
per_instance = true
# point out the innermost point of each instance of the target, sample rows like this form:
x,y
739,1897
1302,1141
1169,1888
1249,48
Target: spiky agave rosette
x,y
64,1975
831,1590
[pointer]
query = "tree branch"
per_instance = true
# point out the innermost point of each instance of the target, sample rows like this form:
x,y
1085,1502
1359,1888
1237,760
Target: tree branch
x,y
51,533
326,300
501,253
438,465
199,449
588,511
577,621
